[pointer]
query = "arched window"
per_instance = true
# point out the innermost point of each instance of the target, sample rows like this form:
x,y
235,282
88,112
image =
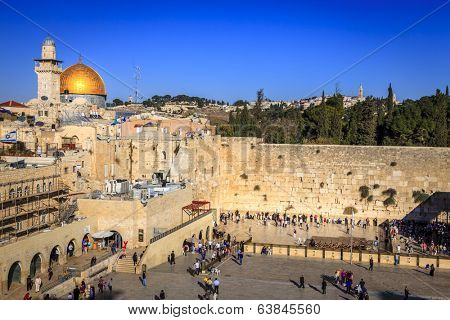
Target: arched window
x,y
19,192
50,186
38,188
26,190
44,187
164,155
12,193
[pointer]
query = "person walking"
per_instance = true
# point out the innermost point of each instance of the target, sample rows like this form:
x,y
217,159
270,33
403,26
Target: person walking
x,y
406,293
50,273
432,270
135,259
197,267
172,257
92,292
162,295
76,293
144,278
371,264
29,283
302,282
37,283
110,286
216,285
324,286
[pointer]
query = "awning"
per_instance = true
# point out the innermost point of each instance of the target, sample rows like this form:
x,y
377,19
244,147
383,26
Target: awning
x,y
102,234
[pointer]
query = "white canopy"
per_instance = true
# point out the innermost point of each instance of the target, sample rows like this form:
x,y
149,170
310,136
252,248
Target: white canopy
x,y
102,234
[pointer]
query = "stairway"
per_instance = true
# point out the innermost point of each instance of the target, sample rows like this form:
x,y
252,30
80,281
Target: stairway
x,y
125,265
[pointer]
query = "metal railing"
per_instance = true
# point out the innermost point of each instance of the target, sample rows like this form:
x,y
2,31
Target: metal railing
x,y
164,234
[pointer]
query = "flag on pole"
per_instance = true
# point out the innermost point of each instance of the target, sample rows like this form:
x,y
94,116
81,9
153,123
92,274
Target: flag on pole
x,y
10,137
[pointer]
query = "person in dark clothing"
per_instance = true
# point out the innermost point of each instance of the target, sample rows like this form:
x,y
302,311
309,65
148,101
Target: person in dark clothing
x,y
302,282
324,287
406,293
162,295
76,293
362,283
135,258
50,273
172,258
29,283
371,264
432,270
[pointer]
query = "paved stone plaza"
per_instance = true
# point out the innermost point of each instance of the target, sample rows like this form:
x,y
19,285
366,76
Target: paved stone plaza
x,y
271,277
272,234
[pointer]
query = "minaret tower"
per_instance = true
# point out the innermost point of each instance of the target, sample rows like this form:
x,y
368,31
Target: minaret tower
x,y
360,92
48,71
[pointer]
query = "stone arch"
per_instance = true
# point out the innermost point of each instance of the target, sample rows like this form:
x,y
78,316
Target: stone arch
x,y
50,186
200,235
26,190
38,188
12,193
56,255
19,192
44,187
117,238
37,264
71,248
208,233
14,274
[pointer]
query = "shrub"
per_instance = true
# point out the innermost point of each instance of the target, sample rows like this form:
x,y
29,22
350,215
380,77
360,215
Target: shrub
x,y
390,192
376,186
348,210
256,188
265,197
244,176
393,164
420,196
349,173
322,184
370,198
280,157
364,191
317,151
389,201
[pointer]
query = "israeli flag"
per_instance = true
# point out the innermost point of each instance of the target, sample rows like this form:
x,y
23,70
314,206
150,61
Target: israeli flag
x,y
10,137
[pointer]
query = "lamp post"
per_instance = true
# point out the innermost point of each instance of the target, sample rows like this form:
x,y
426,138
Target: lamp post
x,y
351,236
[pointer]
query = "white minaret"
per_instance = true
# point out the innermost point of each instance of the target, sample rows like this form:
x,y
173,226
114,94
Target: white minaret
x,y
48,71
360,92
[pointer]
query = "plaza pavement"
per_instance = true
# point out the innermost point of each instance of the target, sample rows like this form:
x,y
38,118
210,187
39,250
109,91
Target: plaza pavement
x,y
274,277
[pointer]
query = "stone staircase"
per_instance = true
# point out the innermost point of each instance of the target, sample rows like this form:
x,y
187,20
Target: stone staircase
x,y
125,265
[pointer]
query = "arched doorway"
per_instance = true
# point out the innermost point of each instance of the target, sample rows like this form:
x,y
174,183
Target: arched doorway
x,y
208,233
55,255
71,248
14,274
86,243
200,235
117,238
36,265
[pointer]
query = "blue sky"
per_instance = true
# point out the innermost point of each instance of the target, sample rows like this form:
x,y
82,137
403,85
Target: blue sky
x,y
229,49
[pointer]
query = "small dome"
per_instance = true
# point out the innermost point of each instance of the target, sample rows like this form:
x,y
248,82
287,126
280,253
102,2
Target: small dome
x,y
48,42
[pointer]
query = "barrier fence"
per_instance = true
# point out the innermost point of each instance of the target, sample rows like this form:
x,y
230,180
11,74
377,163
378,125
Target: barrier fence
x,y
412,260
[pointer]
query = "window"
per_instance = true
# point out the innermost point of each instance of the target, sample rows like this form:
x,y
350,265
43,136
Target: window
x,y
12,193
27,190
38,188
44,187
164,155
50,186
82,164
19,225
141,235
46,113
19,192
74,169
66,170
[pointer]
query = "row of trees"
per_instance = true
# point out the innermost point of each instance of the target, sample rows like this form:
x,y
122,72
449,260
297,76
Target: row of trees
x,y
375,121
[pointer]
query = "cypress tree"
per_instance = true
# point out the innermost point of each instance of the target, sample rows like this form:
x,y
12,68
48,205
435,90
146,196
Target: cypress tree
x,y
446,90
440,133
390,98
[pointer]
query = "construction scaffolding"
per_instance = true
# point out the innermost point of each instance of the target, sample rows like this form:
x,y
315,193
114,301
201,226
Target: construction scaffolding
x,y
31,205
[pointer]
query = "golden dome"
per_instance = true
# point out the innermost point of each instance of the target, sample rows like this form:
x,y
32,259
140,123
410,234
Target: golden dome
x,y
81,79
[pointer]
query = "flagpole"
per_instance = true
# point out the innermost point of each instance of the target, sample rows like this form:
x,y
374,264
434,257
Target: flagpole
x,y
351,237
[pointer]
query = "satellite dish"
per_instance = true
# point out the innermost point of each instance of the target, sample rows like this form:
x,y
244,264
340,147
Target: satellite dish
x,y
44,98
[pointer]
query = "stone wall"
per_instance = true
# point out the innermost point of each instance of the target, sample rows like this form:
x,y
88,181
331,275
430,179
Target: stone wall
x,y
41,244
128,216
325,179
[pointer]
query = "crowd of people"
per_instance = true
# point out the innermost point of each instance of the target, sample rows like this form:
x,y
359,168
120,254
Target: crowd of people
x,y
426,238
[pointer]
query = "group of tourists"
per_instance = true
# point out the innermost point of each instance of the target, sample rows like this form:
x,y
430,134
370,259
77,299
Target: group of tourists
x,y
87,292
211,288
427,238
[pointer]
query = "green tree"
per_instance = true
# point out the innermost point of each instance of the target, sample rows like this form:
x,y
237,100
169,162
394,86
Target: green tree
x,y
117,102
441,133
390,98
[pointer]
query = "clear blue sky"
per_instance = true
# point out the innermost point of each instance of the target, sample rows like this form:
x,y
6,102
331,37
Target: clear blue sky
x,y
229,49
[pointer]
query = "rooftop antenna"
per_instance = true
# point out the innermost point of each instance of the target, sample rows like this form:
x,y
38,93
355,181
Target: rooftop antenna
x,y
137,77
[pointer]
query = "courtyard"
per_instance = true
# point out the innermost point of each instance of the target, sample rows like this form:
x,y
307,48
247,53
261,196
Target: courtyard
x,y
272,277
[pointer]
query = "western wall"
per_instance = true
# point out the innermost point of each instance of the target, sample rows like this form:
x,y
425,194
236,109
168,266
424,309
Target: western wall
x,y
326,179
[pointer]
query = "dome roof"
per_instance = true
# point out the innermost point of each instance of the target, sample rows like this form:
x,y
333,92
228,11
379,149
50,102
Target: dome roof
x,y
81,79
48,42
